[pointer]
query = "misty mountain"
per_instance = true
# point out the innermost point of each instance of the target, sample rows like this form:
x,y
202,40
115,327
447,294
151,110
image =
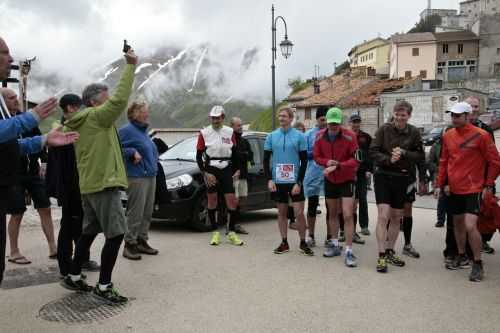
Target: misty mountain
x,y
181,85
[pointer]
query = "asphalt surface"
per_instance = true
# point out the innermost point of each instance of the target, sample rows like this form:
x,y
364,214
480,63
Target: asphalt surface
x,y
192,287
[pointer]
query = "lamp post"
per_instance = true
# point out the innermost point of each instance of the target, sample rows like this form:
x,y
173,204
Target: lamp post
x,y
286,49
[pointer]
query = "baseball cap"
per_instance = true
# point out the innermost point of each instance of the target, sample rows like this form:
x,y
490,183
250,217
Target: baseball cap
x,y
70,99
354,117
334,116
460,108
217,111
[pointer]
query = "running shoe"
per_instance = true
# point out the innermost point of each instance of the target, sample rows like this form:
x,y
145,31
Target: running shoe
x,y
306,250
215,238
240,230
331,250
460,262
341,237
448,260
394,260
486,248
79,285
350,259
91,266
410,251
233,238
110,294
283,248
356,239
439,224
365,232
310,242
381,265
477,272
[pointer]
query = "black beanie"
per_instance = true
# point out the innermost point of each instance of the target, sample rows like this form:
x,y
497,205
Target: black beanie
x,y
321,112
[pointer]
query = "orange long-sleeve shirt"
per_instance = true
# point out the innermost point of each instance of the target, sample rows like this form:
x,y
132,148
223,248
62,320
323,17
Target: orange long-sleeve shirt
x,y
469,160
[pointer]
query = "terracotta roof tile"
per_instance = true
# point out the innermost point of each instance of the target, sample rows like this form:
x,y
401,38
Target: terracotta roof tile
x,y
337,89
370,93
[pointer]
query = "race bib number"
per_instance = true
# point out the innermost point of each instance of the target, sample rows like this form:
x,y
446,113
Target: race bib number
x,y
285,173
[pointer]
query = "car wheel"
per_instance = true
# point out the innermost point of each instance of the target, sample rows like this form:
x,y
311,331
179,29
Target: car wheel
x,y
199,220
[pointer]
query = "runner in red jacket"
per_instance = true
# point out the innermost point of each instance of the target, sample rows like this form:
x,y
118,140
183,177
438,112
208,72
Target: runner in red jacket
x,y
466,153
335,149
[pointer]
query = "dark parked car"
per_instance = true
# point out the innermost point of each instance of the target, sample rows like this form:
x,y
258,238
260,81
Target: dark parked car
x,y
187,200
432,136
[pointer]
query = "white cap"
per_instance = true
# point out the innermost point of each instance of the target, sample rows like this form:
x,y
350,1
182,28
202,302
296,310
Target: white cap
x,y
217,111
460,108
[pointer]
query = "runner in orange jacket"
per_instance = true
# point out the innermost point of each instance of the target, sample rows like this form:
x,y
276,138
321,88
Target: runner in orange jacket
x,y
466,153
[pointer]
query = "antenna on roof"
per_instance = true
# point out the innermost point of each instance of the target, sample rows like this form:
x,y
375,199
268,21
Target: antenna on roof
x,y
429,4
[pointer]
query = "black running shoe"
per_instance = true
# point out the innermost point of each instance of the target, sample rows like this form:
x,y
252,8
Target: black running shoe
x,y
439,224
477,272
79,285
393,259
460,262
110,294
91,266
306,250
356,239
486,248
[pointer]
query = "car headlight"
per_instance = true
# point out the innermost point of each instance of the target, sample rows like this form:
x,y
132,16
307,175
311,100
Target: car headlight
x,y
179,181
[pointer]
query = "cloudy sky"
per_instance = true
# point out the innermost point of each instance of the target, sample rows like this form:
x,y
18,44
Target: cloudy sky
x,y
74,37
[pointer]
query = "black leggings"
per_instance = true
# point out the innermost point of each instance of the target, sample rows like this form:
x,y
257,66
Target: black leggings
x,y
109,254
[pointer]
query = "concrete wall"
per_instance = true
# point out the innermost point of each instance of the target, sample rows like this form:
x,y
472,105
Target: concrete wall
x,y
368,114
402,60
300,115
429,107
489,56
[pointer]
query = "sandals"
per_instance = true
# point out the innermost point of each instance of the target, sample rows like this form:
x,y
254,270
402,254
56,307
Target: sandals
x,y
22,260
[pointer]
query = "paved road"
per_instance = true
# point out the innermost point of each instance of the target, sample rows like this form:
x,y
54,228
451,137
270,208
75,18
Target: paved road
x,y
192,287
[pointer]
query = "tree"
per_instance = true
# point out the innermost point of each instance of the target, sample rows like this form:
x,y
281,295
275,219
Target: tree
x,y
429,24
342,67
296,84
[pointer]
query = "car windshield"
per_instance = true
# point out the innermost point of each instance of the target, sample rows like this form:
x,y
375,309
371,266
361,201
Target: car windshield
x,y
183,150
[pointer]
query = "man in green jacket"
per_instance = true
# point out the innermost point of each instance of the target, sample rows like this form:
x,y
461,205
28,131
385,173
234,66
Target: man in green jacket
x,y
102,176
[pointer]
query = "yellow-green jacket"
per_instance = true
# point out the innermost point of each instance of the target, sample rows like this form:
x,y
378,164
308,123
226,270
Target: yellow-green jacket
x,y
98,151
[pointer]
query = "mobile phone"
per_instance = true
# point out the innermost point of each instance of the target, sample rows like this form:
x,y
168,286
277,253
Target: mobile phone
x,y
126,47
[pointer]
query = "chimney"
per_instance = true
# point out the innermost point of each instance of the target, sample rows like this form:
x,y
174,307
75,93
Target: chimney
x,y
316,80
316,85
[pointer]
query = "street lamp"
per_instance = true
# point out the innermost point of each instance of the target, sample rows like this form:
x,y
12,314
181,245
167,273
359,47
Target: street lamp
x,y
286,50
